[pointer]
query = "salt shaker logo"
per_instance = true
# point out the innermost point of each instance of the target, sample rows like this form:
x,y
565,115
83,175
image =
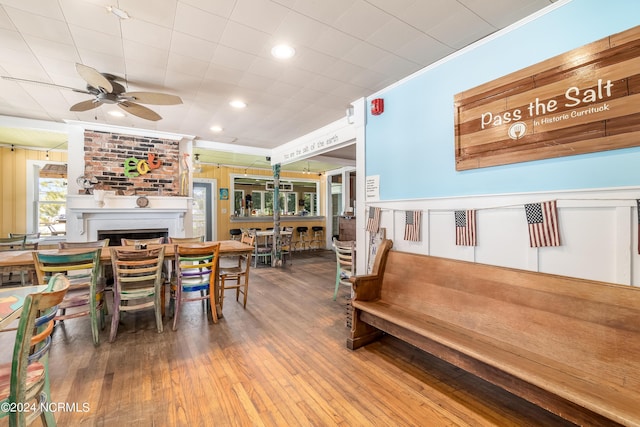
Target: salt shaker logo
x,y
517,130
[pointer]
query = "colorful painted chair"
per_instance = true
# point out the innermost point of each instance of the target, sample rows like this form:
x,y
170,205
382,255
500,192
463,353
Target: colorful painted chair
x,y
137,275
195,273
25,381
86,294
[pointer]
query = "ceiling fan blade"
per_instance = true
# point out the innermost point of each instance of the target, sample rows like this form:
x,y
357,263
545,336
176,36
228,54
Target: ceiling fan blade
x,y
153,98
140,111
47,84
85,105
94,78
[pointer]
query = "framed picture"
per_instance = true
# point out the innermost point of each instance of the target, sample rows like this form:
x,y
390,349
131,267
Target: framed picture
x,y
375,239
224,194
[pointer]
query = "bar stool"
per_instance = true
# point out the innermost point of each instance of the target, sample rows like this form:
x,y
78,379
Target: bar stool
x,y
303,238
235,233
317,238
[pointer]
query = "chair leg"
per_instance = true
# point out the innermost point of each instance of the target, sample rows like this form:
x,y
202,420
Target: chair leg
x,y
246,290
158,311
221,292
212,304
93,306
335,293
115,319
176,307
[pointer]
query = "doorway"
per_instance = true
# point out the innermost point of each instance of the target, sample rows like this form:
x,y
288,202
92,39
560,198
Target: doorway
x,y
204,207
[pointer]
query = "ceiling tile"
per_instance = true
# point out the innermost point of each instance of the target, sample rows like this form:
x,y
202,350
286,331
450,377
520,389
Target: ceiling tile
x,y
262,15
222,8
38,7
193,47
198,23
90,16
146,33
159,12
40,26
96,41
243,38
362,19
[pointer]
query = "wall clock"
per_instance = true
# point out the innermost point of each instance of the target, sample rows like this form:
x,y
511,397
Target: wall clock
x,y
142,202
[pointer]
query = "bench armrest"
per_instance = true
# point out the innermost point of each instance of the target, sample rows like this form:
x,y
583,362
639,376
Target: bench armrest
x,y
367,286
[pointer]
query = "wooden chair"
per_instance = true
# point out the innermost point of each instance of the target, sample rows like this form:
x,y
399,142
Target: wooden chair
x,y
86,294
180,240
16,243
237,272
105,276
25,381
94,244
132,242
137,275
345,263
195,272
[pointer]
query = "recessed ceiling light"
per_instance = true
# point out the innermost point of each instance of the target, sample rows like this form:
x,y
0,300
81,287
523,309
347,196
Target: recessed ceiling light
x,y
283,51
238,104
116,113
216,128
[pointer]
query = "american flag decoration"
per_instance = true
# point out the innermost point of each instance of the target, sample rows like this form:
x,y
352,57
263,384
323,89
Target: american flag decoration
x,y
543,224
466,228
412,225
373,222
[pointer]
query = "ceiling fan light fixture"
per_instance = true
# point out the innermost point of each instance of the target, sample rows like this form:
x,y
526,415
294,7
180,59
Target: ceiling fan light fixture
x,y
283,51
216,128
118,12
116,113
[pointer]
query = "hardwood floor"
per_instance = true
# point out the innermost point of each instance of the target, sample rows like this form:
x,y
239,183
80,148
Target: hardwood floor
x,y
280,362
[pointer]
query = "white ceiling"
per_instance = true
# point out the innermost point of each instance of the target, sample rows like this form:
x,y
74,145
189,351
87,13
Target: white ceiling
x,y
209,52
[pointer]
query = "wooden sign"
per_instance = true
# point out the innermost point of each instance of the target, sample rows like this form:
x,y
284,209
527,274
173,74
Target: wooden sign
x,y
583,101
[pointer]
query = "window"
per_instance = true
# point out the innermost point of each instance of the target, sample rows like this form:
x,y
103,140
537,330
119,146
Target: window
x,y
48,195
291,198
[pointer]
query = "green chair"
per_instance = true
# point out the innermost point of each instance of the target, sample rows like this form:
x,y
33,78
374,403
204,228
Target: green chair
x,y
345,263
86,295
25,381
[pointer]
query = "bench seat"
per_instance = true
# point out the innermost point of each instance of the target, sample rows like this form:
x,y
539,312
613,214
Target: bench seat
x,y
560,379
571,346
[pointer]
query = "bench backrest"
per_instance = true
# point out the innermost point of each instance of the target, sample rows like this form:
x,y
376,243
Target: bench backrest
x,y
591,326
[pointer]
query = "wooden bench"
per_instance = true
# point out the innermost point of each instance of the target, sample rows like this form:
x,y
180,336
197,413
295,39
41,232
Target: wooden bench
x,y
571,346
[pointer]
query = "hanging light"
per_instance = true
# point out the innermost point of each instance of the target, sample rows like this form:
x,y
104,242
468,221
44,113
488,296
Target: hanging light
x,y
47,155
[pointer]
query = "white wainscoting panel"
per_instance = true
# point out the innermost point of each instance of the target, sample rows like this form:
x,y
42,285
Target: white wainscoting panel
x,y
598,232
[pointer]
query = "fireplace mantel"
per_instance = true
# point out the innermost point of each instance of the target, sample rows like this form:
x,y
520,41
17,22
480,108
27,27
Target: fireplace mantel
x,y
85,217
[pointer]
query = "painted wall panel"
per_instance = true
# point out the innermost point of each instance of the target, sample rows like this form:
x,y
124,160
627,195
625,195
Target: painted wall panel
x,y
411,145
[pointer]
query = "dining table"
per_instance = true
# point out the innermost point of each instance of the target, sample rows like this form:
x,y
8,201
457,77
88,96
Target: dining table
x,y
12,300
23,260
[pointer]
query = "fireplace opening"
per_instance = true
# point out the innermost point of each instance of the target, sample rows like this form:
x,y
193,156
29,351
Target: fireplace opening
x,y
114,236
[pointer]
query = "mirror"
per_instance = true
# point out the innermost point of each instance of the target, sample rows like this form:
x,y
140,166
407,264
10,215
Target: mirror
x,y
253,196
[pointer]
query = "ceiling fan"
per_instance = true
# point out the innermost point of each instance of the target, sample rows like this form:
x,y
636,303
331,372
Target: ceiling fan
x,y
106,90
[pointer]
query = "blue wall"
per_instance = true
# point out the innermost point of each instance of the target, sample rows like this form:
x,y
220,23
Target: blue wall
x,y
411,145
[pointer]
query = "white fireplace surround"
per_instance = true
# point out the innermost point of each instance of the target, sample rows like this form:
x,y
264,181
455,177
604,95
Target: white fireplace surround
x,y
85,217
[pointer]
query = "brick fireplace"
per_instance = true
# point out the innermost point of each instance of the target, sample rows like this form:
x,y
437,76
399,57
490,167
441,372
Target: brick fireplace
x,y
127,166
